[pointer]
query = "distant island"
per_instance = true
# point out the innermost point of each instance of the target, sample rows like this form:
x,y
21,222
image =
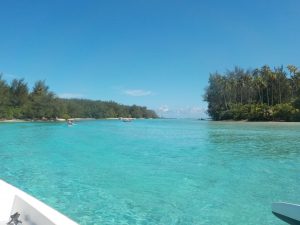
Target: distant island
x,y
262,94
17,102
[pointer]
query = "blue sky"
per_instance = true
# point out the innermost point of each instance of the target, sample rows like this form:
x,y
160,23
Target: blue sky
x,y
154,53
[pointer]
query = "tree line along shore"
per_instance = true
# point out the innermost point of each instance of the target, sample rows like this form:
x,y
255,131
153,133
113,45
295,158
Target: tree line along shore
x,y
18,102
262,94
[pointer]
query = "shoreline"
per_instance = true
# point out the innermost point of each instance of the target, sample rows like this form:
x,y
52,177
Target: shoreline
x,y
255,121
245,122
60,120
14,121
40,120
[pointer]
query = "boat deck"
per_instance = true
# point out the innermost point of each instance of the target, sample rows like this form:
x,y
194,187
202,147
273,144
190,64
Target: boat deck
x,y
32,211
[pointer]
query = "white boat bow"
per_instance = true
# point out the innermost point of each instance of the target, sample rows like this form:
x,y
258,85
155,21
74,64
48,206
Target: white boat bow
x,y
18,205
287,212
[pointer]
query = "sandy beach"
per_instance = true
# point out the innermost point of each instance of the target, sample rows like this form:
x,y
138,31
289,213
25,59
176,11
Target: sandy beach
x,y
13,121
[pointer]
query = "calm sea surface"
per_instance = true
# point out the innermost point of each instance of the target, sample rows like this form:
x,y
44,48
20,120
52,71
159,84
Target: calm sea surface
x,y
181,172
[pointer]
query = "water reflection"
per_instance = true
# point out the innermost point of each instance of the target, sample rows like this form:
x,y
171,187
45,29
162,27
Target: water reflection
x,y
270,140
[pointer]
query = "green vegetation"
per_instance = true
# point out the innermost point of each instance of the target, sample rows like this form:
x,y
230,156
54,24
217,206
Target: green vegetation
x,y
262,94
17,102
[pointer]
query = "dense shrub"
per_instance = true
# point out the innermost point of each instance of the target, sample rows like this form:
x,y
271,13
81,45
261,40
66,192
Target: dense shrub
x,y
257,95
16,101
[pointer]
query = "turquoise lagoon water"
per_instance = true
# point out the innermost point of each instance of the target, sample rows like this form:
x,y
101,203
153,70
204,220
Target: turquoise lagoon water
x,y
179,172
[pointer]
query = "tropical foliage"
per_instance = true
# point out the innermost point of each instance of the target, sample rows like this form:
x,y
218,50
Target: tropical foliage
x,y
262,94
18,102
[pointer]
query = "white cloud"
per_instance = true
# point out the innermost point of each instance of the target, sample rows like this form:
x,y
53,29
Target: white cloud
x,y
137,92
163,109
183,112
196,110
191,111
70,95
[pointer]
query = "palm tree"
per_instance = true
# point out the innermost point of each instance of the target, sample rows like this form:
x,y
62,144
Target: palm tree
x,y
257,81
265,71
293,71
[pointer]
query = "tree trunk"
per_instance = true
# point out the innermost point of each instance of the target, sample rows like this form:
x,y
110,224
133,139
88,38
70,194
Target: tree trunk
x,y
272,97
268,96
279,90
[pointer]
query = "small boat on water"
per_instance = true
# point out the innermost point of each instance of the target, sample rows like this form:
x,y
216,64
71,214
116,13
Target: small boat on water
x,y
127,119
18,207
70,122
289,213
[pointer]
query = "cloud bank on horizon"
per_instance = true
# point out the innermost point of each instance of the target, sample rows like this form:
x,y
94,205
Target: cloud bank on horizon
x,y
183,112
